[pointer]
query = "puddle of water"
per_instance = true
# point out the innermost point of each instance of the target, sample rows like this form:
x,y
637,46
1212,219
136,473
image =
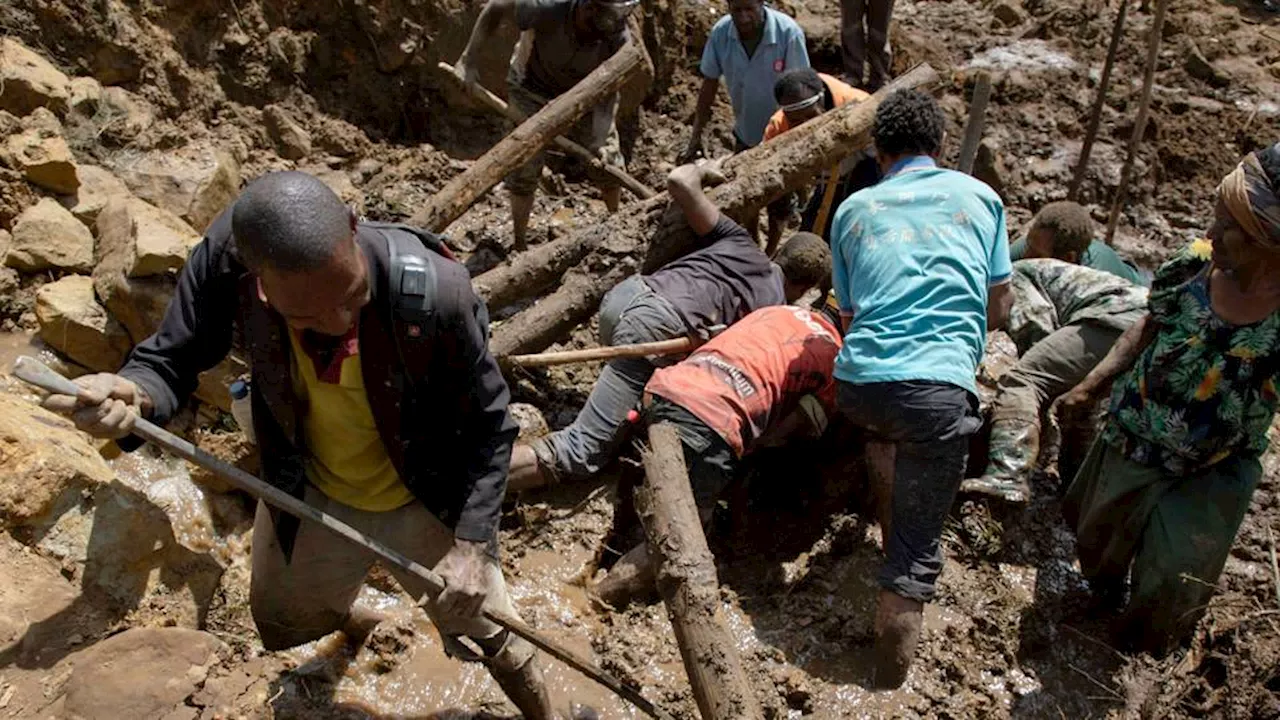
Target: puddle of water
x,y
1029,55
166,482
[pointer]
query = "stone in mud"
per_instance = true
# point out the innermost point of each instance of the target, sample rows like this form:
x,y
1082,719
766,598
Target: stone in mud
x,y
48,237
85,95
48,465
74,323
989,167
340,183
140,240
291,140
28,81
43,158
1009,13
1199,67
195,182
97,186
141,673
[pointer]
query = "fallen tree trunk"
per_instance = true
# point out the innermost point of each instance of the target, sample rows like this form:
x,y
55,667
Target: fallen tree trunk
x,y
686,576
525,141
482,95
646,235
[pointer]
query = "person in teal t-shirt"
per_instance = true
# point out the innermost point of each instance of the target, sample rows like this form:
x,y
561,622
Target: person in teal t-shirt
x,y
1064,230
920,271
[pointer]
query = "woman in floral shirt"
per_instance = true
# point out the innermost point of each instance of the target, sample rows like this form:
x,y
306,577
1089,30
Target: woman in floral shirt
x,y
1167,484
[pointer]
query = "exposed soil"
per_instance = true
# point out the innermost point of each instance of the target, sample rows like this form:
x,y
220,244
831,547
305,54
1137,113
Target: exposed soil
x,y
1011,634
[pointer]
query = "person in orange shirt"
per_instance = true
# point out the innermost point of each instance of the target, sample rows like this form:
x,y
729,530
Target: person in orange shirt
x,y
804,94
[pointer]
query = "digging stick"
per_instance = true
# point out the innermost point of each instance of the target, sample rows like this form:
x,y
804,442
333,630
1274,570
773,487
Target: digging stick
x,y
977,121
686,577
1139,125
1095,116
36,373
525,141
482,95
565,357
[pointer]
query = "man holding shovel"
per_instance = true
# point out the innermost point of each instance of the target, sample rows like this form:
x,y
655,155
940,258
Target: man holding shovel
x,y
374,398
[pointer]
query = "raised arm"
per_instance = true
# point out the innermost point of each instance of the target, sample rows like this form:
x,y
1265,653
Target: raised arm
x,y
706,96
684,184
490,19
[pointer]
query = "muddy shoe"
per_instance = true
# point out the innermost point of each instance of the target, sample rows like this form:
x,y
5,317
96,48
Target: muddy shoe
x,y
631,579
1008,490
898,621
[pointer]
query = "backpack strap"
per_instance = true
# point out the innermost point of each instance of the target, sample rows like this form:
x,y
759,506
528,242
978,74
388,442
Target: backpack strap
x,y
415,300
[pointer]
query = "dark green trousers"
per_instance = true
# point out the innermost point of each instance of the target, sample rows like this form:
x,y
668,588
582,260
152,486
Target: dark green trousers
x,y
1170,534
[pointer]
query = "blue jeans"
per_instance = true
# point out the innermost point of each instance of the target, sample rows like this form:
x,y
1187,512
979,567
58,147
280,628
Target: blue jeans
x,y
630,313
928,425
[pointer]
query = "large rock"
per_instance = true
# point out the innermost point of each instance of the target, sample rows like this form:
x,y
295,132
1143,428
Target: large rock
x,y
43,158
48,465
85,95
127,114
97,186
74,323
141,673
48,237
291,140
195,182
140,239
28,81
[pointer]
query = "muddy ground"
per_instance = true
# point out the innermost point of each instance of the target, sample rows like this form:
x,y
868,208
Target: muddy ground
x,y
1012,633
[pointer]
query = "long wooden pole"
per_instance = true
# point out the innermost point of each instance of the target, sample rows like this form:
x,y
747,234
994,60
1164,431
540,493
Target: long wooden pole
x,y
530,137
565,357
977,121
38,374
1140,125
1099,102
686,578
482,95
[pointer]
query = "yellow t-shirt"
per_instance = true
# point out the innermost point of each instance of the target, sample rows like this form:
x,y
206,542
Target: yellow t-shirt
x,y
347,460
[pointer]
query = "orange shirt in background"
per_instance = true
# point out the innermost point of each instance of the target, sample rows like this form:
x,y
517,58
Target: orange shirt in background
x,y
841,92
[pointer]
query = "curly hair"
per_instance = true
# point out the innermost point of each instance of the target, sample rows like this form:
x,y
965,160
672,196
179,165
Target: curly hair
x,y
909,122
1068,223
805,259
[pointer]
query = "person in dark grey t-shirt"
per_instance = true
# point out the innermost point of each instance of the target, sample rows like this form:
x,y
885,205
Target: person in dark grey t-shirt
x,y
562,41
716,285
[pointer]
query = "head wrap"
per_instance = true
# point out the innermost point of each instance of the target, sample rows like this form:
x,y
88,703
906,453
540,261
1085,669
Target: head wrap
x,y
1248,195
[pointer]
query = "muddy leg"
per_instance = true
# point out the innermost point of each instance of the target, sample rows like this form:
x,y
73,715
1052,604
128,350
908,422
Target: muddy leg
x,y
880,469
521,208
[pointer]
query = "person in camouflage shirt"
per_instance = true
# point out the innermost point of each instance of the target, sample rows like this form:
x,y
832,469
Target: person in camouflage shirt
x,y
1065,318
1165,487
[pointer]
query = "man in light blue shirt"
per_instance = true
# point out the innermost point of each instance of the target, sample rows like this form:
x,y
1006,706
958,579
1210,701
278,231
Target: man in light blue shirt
x,y
750,48
920,266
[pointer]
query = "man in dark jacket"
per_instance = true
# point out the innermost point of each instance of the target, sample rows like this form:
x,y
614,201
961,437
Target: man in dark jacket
x,y
390,417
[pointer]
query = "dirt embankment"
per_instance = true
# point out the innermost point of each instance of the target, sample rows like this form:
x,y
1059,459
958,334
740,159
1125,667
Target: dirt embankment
x,y
145,117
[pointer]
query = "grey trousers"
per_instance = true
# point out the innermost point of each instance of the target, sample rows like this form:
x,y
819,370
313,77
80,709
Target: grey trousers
x,y
864,38
630,313
1050,368
926,426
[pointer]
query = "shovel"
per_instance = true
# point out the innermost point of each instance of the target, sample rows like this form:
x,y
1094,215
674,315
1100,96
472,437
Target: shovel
x,y
36,373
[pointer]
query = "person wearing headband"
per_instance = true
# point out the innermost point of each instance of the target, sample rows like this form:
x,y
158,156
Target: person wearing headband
x,y
750,48
804,94
562,42
1162,492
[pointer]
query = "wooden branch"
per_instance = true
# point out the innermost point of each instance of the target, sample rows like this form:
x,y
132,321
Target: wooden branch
x,y
496,104
977,121
1099,101
528,139
648,234
661,347
1140,125
686,577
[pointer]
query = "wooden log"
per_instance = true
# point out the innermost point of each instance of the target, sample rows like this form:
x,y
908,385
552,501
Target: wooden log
x,y
535,270
648,234
977,121
1140,124
674,346
1099,101
530,137
487,99
686,578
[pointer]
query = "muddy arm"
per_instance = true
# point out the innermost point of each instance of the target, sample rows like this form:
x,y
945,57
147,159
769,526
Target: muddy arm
x,y
487,24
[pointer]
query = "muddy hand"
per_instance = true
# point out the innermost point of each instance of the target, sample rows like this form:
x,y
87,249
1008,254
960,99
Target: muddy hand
x,y
105,407
464,570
